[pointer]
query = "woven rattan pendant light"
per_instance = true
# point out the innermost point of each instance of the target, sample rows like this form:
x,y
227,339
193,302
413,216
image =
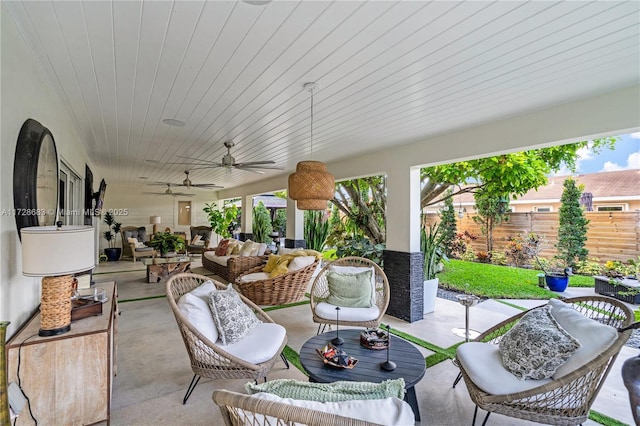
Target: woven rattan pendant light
x,y
312,186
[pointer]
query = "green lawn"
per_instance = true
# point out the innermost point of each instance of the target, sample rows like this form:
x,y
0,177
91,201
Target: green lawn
x,y
503,282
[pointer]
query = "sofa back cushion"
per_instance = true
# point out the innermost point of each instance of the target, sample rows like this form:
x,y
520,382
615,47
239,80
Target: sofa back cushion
x,y
140,234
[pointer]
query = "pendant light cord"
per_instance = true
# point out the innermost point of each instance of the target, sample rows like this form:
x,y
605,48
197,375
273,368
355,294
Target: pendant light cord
x,y
312,124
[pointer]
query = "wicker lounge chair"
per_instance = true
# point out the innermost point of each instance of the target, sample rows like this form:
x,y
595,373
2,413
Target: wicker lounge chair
x,y
564,400
239,410
287,288
233,266
210,359
320,292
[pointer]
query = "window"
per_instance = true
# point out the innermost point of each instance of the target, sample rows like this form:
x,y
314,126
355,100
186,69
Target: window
x,y
184,213
610,208
70,196
543,209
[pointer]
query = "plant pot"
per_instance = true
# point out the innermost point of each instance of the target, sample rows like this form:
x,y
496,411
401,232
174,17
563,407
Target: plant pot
x,y
113,253
557,282
430,294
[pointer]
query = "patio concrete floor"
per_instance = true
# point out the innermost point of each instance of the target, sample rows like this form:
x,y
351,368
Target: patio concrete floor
x,y
154,372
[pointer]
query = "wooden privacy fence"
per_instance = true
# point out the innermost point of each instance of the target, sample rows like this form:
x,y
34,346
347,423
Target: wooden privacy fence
x,y
610,235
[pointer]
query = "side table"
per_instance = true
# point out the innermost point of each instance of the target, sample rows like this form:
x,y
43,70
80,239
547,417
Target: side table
x,y
410,363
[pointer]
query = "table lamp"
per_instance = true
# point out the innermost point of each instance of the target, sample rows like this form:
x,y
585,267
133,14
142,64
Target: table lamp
x,y
155,221
56,253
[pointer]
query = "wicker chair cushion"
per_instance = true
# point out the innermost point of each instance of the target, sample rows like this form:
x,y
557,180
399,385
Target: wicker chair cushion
x,y
300,262
351,290
536,346
220,260
329,392
328,311
247,247
195,306
260,345
594,337
255,276
389,411
233,318
483,364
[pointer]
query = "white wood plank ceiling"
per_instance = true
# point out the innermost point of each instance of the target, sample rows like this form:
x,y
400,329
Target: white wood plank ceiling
x,y
389,73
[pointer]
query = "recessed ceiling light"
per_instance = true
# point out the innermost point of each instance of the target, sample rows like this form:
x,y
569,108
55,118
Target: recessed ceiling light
x,y
142,177
257,2
173,122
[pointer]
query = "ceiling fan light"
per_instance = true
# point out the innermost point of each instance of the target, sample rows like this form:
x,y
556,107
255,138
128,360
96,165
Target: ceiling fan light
x,y
312,186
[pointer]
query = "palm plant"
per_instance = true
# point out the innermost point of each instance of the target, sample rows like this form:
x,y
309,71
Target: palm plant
x,y
114,229
262,227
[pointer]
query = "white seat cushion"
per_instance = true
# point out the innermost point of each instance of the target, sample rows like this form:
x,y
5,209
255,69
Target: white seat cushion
x,y
483,364
389,411
260,345
594,337
195,306
256,276
220,260
328,311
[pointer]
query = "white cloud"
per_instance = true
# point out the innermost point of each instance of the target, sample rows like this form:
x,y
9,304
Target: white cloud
x,y
633,162
635,135
610,166
563,171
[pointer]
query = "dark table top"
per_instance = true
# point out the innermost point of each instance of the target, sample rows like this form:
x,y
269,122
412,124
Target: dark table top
x,y
410,364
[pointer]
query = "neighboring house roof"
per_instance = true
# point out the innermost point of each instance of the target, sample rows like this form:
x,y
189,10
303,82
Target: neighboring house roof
x,y
622,184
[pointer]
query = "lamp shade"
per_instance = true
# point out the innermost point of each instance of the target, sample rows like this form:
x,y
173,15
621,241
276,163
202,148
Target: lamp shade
x,y
51,251
312,186
154,220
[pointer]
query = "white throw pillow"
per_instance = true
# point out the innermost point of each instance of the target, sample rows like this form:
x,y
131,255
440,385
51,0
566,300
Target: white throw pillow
x,y
262,248
195,240
246,248
199,315
300,262
284,250
594,337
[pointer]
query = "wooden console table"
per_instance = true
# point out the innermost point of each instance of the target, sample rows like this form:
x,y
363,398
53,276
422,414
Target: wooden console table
x,y
68,378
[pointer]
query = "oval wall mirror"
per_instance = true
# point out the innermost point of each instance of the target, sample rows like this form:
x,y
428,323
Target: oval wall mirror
x,y
35,177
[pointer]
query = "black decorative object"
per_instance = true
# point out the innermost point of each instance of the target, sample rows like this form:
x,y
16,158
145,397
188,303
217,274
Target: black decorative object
x,y
388,365
35,177
337,340
88,195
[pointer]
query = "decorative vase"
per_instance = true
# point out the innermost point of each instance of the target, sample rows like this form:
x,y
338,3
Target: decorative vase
x,y
5,418
113,254
557,283
430,294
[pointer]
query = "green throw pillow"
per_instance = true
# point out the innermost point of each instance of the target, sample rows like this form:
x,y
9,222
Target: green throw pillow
x,y
329,392
350,290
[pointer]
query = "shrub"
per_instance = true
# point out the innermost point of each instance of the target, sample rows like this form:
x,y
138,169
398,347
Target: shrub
x,y
361,247
469,255
460,244
261,224
572,229
589,267
521,248
498,258
483,257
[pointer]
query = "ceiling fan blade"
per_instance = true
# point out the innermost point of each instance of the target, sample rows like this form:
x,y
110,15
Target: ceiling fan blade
x,y
248,169
245,166
194,159
254,163
206,166
205,185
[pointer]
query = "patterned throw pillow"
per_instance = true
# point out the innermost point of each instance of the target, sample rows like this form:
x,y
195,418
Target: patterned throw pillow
x,y
233,318
536,346
221,250
329,392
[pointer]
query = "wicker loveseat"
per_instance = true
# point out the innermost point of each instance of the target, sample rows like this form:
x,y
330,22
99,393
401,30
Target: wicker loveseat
x,y
230,267
565,397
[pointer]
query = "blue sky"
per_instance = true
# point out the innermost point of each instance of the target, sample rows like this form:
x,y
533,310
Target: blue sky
x,y
626,155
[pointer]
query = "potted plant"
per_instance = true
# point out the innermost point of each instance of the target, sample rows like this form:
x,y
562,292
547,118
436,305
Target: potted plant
x,y
433,252
222,222
167,243
112,252
556,273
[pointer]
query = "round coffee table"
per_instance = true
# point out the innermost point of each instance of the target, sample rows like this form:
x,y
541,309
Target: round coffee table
x,y
409,361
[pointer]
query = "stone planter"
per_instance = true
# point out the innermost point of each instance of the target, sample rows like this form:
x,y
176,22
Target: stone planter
x,y
430,294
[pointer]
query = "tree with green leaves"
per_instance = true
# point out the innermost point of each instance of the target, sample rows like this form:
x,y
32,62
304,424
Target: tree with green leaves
x,y
261,224
448,225
491,212
279,223
221,221
572,231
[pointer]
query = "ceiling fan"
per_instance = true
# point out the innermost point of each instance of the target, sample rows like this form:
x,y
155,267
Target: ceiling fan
x,y
229,162
187,182
170,192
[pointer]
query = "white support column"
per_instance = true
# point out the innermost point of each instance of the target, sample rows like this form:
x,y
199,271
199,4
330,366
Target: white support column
x,y
295,225
246,229
403,210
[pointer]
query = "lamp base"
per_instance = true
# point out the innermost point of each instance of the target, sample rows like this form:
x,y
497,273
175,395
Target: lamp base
x,y
55,305
388,365
337,341
46,333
